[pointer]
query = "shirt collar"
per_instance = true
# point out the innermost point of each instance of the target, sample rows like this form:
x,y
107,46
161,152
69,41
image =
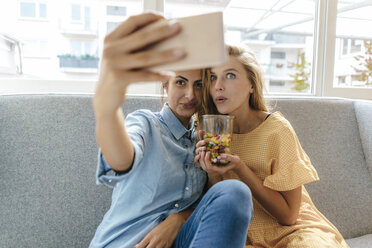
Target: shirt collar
x,y
174,124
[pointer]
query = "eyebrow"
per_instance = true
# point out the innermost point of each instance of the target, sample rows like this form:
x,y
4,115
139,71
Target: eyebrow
x,y
198,80
182,78
230,69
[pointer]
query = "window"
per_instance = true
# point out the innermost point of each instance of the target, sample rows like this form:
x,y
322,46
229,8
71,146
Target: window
x,y
111,26
348,66
75,12
35,48
278,55
277,83
79,48
32,10
42,10
28,9
116,11
355,46
351,46
275,30
328,41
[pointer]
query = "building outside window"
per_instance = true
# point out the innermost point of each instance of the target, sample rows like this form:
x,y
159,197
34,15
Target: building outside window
x,y
32,9
116,10
286,37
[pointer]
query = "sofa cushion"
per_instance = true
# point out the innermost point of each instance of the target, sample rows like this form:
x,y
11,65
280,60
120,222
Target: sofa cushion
x,y
48,161
363,111
360,242
48,151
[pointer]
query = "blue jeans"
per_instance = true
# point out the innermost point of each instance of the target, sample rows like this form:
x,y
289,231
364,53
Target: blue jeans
x,y
221,218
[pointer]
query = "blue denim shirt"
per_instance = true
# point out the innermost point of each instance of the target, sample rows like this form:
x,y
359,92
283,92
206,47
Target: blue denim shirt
x,y
163,179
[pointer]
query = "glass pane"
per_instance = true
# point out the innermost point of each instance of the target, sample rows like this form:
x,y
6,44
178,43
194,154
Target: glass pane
x,y
75,12
116,11
28,9
87,48
42,10
47,47
111,26
280,33
87,18
353,49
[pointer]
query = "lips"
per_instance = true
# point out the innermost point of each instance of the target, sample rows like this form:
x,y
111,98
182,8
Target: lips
x,y
189,105
220,99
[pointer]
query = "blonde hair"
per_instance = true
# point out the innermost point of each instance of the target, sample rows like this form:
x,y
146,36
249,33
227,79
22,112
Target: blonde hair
x,y
254,75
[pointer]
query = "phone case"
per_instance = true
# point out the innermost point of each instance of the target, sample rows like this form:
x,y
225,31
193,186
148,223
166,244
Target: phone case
x,y
202,37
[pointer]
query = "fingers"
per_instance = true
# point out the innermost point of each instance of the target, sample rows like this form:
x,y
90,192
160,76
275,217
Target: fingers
x,y
224,158
200,143
200,149
151,34
204,161
143,243
145,59
133,23
142,76
196,161
201,134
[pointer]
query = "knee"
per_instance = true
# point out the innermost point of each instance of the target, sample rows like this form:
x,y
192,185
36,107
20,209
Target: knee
x,y
236,195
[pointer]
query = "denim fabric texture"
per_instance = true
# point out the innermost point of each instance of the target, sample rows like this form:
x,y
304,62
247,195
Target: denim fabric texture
x,y
163,179
221,219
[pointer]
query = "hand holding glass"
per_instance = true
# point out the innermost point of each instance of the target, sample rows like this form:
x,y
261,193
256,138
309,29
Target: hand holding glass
x,y
217,135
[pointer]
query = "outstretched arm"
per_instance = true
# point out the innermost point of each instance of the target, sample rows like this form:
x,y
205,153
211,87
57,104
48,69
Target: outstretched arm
x,y
123,62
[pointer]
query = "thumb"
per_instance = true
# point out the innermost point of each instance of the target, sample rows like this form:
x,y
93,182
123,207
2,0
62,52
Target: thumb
x,y
201,134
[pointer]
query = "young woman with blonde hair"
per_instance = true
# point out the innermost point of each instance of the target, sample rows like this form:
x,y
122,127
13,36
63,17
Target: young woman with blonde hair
x,y
267,156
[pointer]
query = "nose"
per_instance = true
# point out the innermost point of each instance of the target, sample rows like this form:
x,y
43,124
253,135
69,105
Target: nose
x,y
190,93
218,85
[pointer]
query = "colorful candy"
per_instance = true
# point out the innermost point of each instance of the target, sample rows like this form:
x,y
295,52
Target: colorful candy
x,y
216,145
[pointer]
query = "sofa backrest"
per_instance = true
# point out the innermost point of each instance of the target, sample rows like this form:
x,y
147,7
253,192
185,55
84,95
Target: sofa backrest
x,y
337,136
48,156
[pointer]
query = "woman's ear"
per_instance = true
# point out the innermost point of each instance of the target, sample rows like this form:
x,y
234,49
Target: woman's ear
x,y
165,86
251,90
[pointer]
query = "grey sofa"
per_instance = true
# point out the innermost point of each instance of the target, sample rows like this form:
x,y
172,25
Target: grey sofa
x,y
48,155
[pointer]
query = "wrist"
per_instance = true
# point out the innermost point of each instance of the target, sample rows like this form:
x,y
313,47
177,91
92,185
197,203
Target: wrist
x,y
239,168
178,219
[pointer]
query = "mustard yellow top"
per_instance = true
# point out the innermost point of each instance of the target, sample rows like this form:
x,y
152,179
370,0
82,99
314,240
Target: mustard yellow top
x,y
273,152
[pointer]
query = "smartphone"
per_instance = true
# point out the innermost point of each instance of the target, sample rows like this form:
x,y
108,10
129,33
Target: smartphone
x,y
202,37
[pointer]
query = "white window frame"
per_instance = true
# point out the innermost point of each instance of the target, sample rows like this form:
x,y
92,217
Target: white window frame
x,y
324,49
37,10
325,74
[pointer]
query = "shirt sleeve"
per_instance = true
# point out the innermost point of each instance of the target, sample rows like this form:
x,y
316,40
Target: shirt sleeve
x,y
138,126
290,166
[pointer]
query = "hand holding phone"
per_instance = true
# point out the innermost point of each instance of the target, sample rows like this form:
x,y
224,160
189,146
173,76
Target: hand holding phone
x,y
201,37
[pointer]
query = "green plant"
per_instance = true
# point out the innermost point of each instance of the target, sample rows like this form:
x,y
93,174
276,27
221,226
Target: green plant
x,y
83,57
88,57
301,77
67,55
365,64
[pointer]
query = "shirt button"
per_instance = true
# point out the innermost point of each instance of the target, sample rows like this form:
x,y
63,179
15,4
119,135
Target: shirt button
x,y
186,146
176,205
187,188
186,166
110,181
